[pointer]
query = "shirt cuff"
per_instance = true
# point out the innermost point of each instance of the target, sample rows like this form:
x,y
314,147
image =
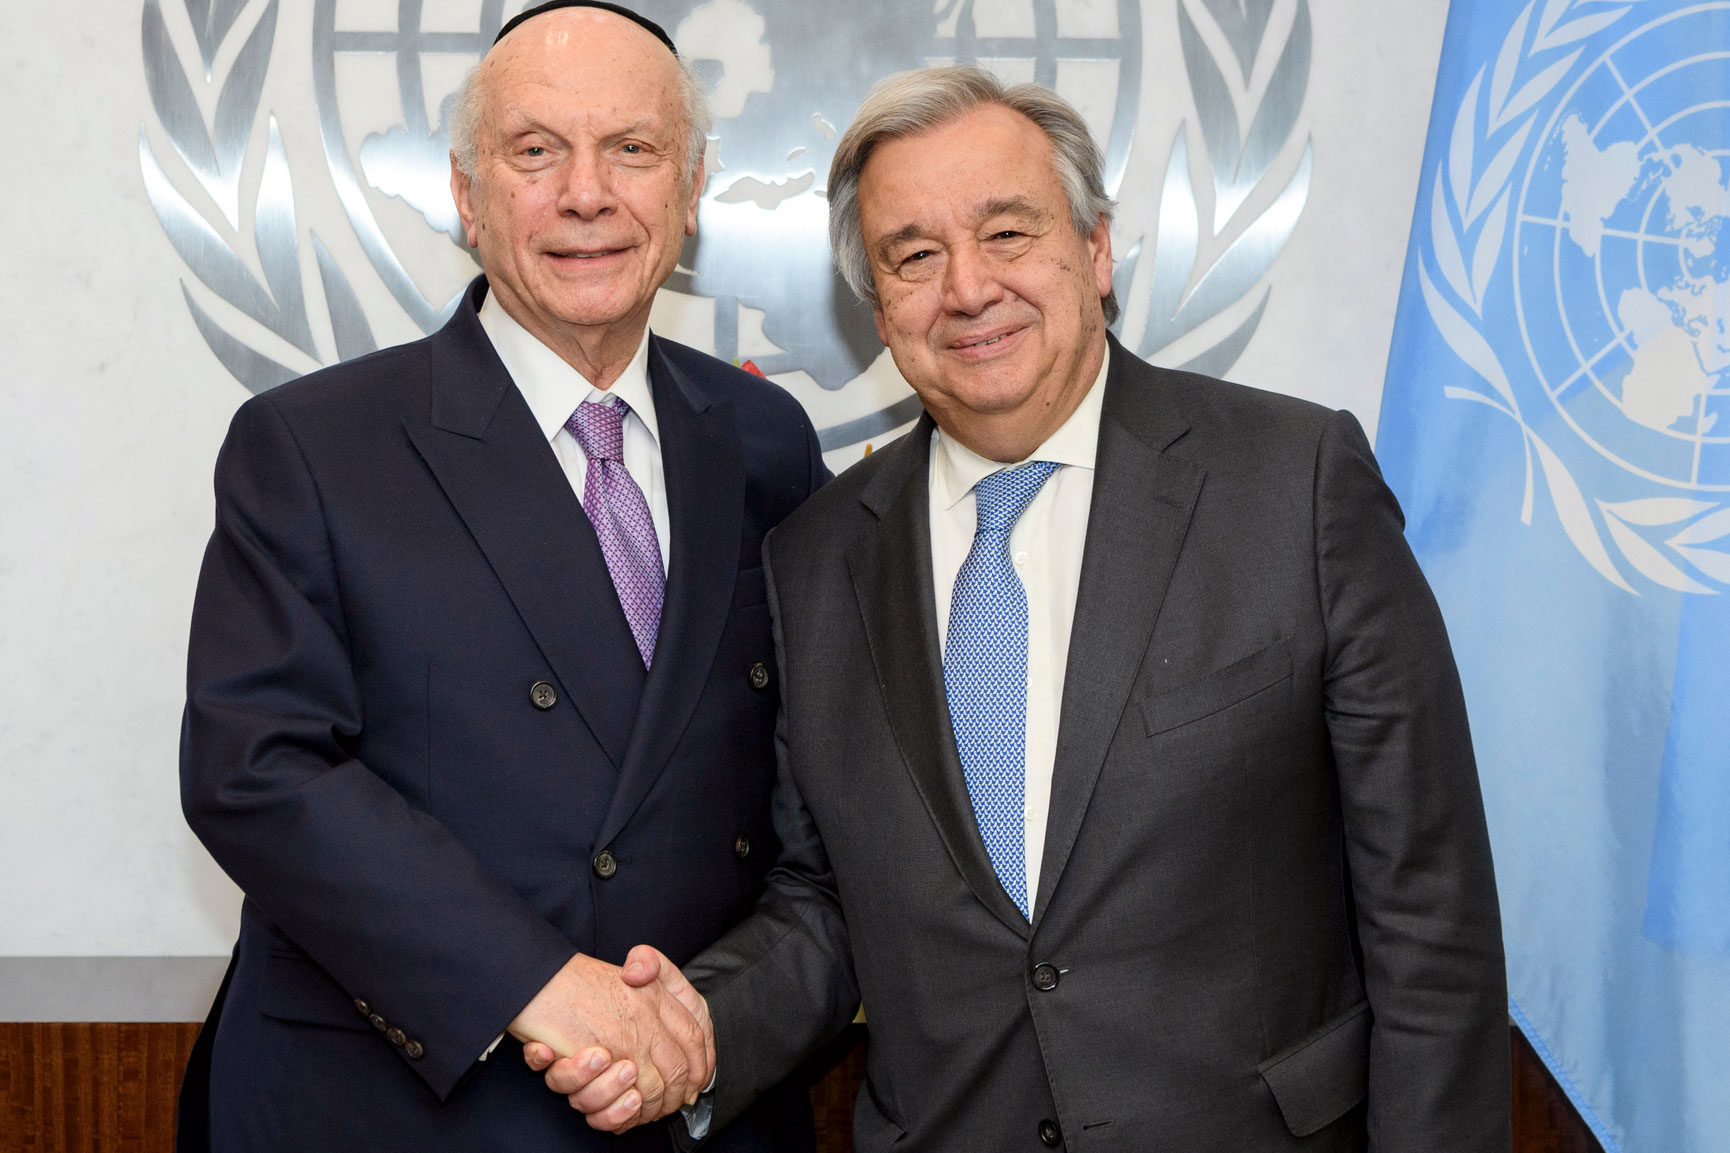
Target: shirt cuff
x,y
697,1117
493,1046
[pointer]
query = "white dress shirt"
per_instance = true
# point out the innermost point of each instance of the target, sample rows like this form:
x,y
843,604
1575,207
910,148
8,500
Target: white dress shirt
x,y
554,389
1046,546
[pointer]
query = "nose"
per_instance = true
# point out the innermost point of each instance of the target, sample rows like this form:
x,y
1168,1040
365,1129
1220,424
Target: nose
x,y
970,284
586,188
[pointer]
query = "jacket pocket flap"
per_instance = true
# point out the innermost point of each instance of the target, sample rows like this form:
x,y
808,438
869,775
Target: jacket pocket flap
x,y
1316,1080
1218,690
296,989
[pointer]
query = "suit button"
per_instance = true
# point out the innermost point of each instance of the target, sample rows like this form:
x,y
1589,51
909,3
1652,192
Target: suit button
x,y
1050,1134
742,847
759,675
606,864
396,1037
362,1007
414,1050
378,1022
543,695
1045,980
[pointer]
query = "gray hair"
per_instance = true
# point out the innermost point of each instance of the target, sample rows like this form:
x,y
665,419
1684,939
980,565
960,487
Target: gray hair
x,y
466,102
911,103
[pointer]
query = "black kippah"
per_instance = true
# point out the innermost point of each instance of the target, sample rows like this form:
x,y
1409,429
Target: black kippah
x,y
617,9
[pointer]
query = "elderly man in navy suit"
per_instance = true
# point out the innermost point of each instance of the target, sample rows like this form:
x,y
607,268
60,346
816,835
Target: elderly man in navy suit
x,y
481,687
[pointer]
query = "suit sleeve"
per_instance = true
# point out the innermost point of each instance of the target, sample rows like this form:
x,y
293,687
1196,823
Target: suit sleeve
x,y
381,895
780,984
1417,849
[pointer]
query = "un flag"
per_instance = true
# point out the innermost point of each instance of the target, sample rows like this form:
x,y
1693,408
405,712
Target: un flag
x,y
1556,421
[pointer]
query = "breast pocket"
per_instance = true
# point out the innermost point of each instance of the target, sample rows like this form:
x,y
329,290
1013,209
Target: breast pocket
x,y
1218,691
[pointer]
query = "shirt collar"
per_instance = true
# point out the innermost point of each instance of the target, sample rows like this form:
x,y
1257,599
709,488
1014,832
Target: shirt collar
x,y
551,386
955,468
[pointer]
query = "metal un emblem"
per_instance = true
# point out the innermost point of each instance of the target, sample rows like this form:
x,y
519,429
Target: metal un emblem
x,y
757,283
1577,260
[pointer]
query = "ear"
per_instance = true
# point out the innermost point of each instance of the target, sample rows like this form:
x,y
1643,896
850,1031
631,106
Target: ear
x,y
696,198
1099,249
462,193
882,325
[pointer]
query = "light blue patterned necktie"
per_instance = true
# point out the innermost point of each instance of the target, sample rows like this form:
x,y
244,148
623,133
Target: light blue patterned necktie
x,y
985,672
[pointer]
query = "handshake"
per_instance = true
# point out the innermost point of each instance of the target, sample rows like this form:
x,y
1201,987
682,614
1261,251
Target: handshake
x,y
626,1045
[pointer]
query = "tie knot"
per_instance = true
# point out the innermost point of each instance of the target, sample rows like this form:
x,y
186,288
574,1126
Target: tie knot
x,y
600,429
1004,496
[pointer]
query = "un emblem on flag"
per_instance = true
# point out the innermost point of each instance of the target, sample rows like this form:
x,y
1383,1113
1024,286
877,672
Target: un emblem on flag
x,y
1592,154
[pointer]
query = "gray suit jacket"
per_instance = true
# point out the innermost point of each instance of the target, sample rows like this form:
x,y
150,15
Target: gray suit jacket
x,y
1266,916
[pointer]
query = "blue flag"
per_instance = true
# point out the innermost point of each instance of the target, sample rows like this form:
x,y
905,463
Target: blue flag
x,y
1556,422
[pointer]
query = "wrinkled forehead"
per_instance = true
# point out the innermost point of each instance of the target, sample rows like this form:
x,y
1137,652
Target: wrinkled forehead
x,y
989,161
989,136
582,57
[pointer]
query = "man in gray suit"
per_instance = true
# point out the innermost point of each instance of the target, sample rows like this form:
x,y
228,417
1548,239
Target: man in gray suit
x,y
1124,769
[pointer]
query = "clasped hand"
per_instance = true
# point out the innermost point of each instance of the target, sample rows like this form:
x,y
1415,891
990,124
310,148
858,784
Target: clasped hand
x,y
626,1045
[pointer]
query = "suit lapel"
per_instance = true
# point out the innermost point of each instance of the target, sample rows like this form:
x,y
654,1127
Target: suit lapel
x,y
496,468
705,477
891,569
1142,501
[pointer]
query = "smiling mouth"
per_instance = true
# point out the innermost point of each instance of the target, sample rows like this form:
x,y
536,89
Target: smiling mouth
x,y
587,255
981,343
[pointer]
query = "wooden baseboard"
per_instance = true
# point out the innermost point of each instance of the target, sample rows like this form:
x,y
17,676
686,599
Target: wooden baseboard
x,y
90,1088
111,1088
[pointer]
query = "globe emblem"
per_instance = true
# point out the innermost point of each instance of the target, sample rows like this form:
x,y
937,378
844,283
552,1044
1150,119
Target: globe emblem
x,y
785,77
1622,257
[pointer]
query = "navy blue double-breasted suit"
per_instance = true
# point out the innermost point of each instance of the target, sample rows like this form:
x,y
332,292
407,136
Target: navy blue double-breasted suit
x,y
420,738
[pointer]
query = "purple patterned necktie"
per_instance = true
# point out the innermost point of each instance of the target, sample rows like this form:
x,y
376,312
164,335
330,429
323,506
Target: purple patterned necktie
x,y
621,518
